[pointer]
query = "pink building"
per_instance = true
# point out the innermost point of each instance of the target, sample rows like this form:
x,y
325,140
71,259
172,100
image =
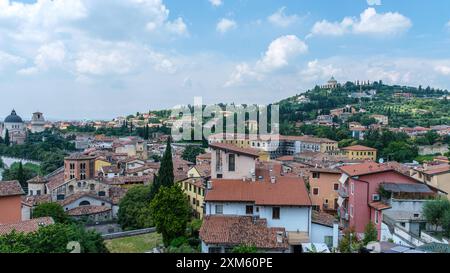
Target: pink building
x,y
359,198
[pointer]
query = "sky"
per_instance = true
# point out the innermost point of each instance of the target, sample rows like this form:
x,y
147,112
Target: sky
x,y
98,59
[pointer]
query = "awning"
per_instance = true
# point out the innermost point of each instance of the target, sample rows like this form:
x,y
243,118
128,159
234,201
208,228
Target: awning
x,y
343,178
298,238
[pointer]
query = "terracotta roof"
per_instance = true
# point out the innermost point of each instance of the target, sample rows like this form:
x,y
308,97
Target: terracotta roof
x,y
285,158
367,167
87,210
204,156
232,148
324,170
26,226
203,169
379,205
241,230
55,179
123,180
10,188
359,148
308,139
437,170
79,156
35,200
110,169
323,218
286,191
74,197
38,180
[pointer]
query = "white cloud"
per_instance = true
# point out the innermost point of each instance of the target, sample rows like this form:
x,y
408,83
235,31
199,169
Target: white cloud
x,y
7,60
177,26
280,51
216,3
374,2
48,55
224,25
448,25
279,18
316,71
278,55
369,22
443,69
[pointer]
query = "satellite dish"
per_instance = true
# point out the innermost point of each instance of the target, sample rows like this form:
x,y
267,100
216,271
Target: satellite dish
x,y
381,161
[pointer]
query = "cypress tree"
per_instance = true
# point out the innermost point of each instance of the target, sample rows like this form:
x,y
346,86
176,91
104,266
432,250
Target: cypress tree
x,y
165,172
7,141
165,175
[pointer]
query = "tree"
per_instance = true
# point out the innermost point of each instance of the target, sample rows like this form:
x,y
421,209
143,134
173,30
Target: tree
x,y
245,249
370,233
446,223
53,239
6,140
349,242
146,133
435,210
432,137
53,210
21,173
165,175
134,209
171,212
191,152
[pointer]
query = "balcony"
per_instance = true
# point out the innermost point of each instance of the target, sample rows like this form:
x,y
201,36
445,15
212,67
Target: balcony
x,y
343,192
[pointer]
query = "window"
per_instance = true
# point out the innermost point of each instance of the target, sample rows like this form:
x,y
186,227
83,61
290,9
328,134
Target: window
x,y
351,211
315,191
249,210
31,192
219,209
194,201
92,187
190,187
85,203
352,188
231,162
101,193
79,184
376,217
276,213
38,192
316,175
336,187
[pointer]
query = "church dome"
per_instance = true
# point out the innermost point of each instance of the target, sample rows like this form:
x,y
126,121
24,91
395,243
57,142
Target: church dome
x,y
13,118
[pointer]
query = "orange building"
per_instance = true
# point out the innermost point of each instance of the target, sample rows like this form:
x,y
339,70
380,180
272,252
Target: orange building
x,y
323,187
10,202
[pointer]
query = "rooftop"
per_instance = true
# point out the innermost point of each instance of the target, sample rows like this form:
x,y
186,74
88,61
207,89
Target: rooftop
x,y
26,226
286,191
87,210
10,188
235,149
359,148
241,230
367,167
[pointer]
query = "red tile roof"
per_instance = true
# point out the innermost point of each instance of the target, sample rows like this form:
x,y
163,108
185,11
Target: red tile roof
x,y
323,218
88,210
438,170
241,230
235,149
367,167
286,191
285,158
10,188
26,226
359,148
36,199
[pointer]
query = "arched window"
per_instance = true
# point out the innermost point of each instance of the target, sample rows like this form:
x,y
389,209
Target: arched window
x,y
92,187
85,203
71,188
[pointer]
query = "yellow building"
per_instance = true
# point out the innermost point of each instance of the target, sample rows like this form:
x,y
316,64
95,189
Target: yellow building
x,y
436,176
194,188
100,163
359,152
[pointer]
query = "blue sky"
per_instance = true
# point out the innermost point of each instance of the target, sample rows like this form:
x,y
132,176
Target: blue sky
x,y
76,59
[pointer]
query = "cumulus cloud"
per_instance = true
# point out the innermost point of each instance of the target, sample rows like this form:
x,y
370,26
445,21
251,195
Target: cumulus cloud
x,y
369,22
279,18
224,25
278,55
374,2
48,55
7,60
316,71
216,3
443,69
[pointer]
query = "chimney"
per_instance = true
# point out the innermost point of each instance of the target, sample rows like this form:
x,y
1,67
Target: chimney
x,y
273,179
